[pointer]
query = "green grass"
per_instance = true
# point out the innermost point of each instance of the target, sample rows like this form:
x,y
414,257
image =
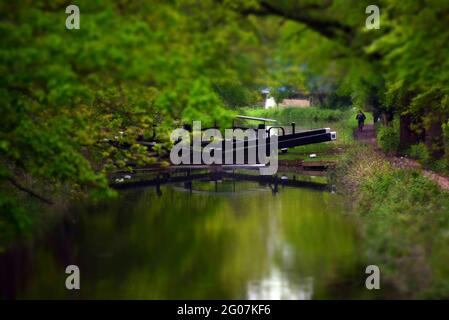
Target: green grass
x,y
302,116
407,226
405,219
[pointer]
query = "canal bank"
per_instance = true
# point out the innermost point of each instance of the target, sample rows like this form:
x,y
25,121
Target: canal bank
x,y
405,218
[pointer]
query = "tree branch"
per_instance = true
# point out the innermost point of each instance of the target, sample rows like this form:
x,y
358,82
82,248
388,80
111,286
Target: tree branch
x,y
29,191
328,28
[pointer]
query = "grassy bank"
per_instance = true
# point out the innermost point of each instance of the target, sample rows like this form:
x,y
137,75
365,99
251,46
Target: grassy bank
x,y
302,116
405,222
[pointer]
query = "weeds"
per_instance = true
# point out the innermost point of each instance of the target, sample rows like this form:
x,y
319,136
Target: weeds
x,y
388,136
405,219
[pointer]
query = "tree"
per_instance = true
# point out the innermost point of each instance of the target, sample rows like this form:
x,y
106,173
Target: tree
x,y
397,70
75,102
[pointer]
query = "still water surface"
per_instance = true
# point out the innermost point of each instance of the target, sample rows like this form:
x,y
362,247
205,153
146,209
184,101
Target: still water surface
x,y
213,240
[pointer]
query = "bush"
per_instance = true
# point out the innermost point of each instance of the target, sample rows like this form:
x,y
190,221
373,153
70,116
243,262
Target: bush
x,y
440,165
358,164
388,136
419,152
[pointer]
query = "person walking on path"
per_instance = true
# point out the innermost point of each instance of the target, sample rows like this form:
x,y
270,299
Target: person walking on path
x,y
360,117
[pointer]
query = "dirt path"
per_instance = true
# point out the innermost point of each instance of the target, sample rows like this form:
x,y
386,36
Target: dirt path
x,y
368,135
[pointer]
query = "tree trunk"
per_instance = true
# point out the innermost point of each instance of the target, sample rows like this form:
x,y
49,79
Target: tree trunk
x,y
434,137
407,136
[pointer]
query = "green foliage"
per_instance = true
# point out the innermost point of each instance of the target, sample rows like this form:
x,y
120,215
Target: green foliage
x,y
405,219
419,152
13,220
398,69
407,215
388,136
446,140
235,95
440,166
71,99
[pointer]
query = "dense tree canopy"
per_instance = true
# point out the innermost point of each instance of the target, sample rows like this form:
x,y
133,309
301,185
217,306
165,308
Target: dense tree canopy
x,y
134,68
398,70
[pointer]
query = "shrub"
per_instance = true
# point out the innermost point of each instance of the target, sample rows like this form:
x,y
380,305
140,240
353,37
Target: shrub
x,y
440,165
419,152
358,164
388,136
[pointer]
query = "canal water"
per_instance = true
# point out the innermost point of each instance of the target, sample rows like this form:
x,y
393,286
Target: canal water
x,y
205,240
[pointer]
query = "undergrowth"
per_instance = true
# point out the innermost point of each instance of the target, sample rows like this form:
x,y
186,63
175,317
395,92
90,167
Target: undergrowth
x,y
405,219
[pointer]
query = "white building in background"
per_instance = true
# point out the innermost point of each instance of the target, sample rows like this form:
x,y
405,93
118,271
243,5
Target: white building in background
x,y
297,100
297,103
270,102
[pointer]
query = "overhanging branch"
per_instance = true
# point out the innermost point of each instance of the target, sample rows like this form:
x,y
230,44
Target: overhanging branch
x,y
29,191
328,28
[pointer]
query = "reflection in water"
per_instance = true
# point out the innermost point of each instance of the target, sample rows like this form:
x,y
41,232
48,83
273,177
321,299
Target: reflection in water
x,y
278,287
204,240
